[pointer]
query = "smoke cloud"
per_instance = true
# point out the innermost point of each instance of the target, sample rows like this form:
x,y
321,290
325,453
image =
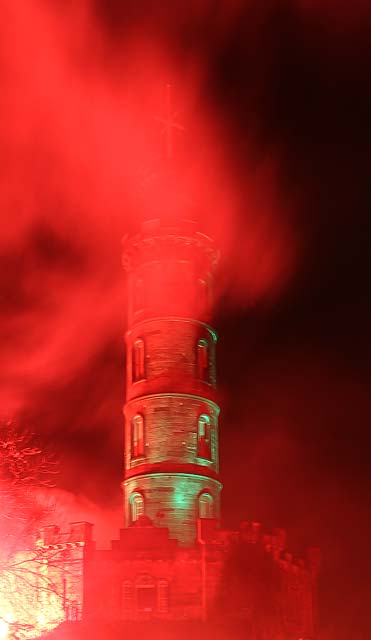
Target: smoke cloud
x,y
271,162
82,166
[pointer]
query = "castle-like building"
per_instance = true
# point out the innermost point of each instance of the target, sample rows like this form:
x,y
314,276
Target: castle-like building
x,y
173,561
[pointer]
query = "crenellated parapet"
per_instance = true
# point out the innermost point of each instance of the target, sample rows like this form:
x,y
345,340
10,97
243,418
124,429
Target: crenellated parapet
x,y
79,534
274,543
170,272
297,577
157,241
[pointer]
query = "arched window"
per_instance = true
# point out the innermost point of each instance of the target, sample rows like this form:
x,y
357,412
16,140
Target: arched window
x,y
138,360
203,358
203,293
146,594
206,506
138,295
137,436
204,437
163,596
136,506
127,597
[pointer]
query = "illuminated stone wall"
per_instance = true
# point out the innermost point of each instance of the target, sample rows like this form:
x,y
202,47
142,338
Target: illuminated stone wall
x,y
180,414
171,383
172,501
170,357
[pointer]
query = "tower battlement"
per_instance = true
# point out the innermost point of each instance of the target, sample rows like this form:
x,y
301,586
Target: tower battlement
x,y
171,270
159,240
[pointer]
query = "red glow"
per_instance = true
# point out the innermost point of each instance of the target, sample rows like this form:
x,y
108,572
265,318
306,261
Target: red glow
x,y
82,150
83,163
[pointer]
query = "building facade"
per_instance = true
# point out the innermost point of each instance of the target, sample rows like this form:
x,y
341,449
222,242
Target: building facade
x,y
173,561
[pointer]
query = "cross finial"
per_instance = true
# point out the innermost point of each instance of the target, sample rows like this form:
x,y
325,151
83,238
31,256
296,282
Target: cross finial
x,y
169,123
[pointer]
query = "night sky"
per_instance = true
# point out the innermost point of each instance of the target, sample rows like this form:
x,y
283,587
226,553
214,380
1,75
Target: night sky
x,y
275,157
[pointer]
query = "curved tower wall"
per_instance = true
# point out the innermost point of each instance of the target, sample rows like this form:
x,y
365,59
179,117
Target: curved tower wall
x,y
171,415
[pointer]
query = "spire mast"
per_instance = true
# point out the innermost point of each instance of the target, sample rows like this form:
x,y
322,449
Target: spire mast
x,y
169,122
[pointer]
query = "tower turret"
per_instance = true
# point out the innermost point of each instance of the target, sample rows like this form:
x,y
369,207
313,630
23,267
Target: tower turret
x,y
171,414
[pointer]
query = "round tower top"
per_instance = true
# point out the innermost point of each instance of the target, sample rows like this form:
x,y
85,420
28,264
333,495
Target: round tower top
x,y
160,240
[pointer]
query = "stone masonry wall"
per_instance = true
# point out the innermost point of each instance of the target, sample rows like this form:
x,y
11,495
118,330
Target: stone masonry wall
x,y
170,346
172,501
170,430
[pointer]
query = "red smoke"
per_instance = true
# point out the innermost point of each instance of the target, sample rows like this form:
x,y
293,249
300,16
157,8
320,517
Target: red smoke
x,y
81,165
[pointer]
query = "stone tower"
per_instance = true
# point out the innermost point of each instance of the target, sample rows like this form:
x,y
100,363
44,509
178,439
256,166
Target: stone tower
x,y
171,415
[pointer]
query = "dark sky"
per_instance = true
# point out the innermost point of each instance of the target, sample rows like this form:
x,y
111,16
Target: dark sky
x,y
284,90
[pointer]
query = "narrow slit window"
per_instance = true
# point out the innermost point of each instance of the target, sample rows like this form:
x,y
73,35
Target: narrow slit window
x,y
137,436
203,360
127,596
163,596
203,296
206,506
138,360
204,437
138,295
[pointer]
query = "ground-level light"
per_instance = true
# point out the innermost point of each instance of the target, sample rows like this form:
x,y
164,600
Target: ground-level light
x,y
4,629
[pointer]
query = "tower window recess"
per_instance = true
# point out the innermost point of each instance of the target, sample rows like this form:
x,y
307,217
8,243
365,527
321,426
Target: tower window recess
x,y
163,596
138,360
206,506
138,295
203,296
204,437
146,594
136,506
127,596
203,360
137,436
